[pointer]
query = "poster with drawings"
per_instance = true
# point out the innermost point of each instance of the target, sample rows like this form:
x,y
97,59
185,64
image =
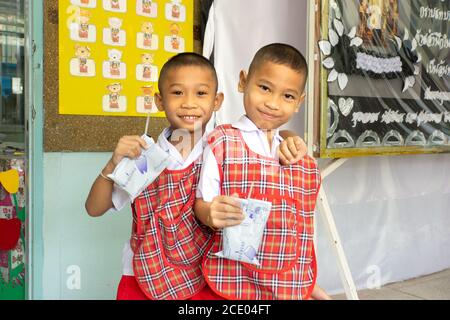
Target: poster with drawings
x,y
111,52
385,77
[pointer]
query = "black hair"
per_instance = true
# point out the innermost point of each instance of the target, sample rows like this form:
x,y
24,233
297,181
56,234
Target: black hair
x,y
186,59
280,53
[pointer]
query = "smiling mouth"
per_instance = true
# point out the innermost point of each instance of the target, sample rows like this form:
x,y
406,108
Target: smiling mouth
x,y
189,118
267,115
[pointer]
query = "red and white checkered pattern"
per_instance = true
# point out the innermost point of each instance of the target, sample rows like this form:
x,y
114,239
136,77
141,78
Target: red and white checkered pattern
x,y
168,241
286,255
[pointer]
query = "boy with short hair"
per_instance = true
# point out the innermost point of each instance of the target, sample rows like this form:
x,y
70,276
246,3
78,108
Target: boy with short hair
x,y
162,260
239,162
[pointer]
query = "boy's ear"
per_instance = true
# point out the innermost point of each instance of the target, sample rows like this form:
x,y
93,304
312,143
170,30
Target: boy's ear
x,y
242,81
218,101
158,101
300,101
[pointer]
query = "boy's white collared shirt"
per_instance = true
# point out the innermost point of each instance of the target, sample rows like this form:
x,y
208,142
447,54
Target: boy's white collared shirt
x,y
256,140
120,198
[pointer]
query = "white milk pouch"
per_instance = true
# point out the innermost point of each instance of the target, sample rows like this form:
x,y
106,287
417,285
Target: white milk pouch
x,y
241,242
134,175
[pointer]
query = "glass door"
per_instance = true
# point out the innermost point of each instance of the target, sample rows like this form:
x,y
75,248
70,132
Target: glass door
x,y
12,150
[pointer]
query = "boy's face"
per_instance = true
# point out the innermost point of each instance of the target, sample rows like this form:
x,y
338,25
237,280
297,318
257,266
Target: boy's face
x,y
188,96
272,94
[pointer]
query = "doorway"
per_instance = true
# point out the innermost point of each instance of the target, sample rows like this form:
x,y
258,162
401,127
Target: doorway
x,y
13,155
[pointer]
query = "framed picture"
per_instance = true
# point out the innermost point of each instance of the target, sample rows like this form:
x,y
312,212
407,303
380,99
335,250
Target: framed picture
x,y
381,89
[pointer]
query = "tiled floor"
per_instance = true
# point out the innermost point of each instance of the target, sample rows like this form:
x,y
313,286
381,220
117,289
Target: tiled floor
x,y
435,286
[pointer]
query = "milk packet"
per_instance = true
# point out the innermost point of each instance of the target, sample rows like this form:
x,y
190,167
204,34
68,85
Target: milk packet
x,y
134,175
241,242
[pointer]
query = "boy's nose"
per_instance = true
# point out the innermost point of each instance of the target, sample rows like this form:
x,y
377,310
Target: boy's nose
x,y
273,103
189,103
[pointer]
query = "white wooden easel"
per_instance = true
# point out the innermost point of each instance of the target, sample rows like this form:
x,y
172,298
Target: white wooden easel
x,y
325,210
322,203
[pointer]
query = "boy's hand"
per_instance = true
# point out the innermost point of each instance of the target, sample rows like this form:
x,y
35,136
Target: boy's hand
x,y
128,146
291,150
225,212
319,294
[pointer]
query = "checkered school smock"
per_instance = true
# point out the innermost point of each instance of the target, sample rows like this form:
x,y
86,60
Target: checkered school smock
x,y
286,254
167,240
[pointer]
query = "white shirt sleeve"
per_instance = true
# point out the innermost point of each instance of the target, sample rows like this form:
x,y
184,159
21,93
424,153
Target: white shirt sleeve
x,y
209,183
120,198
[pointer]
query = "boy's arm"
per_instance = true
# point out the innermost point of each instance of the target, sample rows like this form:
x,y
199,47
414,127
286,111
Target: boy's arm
x,y
210,208
292,148
99,199
222,212
319,294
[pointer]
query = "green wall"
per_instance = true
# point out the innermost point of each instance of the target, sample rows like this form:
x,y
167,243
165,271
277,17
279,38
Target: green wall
x,y
82,255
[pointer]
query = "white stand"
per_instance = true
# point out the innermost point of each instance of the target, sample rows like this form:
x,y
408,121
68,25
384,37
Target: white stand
x,y
324,207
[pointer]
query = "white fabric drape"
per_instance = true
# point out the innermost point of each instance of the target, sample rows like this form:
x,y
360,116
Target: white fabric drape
x,y
392,213
237,31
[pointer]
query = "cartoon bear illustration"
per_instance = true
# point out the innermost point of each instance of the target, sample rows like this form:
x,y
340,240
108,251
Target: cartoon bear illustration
x,y
84,3
175,10
175,39
114,94
147,60
115,4
115,57
115,24
82,53
146,39
147,30
83,28
147,6
148,97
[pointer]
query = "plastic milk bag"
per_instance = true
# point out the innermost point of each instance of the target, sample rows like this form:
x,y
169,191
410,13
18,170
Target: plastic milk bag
x,y
134,175
241,242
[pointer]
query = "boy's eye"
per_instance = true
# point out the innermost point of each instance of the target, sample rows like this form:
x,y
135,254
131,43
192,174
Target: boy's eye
x,y
202,93
264,88
177,92
289,97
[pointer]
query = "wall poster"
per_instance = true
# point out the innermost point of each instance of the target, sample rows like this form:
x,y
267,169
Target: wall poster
x,y
385,77
111,52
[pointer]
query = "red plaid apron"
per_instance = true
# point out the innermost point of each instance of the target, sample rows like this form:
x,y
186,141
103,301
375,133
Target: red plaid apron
x,y
286,255
167,240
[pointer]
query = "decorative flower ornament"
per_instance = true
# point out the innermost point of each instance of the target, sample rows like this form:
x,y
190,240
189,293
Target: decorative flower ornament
x,y
409,48
343,55
336,42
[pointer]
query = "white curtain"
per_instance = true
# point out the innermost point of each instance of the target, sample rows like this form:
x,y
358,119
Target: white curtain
x,y
392,213
237,29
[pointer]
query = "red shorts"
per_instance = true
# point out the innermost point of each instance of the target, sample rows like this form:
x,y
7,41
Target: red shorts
x,y
129,290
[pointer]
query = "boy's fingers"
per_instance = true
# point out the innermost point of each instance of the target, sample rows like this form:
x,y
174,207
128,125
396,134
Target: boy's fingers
x,y
230,208
225,215
284,151
142,143
229,201
131,150
231,223
301,147
137,140
283,159
292,148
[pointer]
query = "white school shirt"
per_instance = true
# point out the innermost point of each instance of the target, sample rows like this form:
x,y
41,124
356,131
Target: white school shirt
x,y
256,139
120,198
